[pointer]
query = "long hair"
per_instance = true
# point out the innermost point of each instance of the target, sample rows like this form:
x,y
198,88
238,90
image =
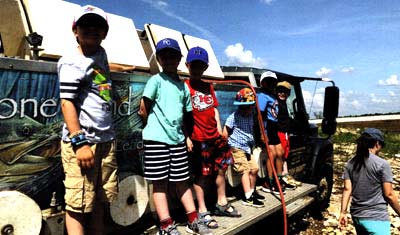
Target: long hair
x,y
364,143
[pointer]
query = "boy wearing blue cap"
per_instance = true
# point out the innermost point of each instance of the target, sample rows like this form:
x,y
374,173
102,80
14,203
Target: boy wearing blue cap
x,y
165,101
211,155
87,146
239,127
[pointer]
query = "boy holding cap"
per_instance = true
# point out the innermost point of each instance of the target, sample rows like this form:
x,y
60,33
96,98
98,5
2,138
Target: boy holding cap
x,y
165,102
239,128
211,155
283,126
87,146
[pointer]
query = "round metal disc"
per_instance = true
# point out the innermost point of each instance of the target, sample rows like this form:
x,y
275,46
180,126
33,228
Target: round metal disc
x,y
19,214
261,161
131,201
234,179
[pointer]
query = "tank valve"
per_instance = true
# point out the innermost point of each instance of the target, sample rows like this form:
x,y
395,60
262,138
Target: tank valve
x,y
53,204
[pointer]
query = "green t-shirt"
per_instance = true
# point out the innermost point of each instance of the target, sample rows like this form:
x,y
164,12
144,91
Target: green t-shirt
x,y
171,98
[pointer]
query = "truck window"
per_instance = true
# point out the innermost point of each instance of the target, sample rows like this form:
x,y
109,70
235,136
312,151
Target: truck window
x,y
290,103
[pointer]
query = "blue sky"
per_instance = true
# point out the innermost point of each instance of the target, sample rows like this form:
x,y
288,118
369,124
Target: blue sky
x,y
355,43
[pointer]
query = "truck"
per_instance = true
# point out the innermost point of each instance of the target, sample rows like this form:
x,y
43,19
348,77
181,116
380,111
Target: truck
x,y
31,173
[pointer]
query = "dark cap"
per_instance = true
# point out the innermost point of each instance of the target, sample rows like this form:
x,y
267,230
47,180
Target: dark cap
x,y
197,53
374,133
167,43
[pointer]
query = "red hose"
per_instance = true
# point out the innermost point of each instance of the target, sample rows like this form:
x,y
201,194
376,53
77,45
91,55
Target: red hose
x,y
261,124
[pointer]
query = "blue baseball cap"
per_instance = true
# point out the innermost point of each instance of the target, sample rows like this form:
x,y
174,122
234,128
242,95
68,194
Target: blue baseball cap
x,y
167,43
375,133
197,53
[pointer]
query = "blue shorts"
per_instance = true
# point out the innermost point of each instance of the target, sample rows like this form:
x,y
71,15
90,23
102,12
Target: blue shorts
x,y
371,227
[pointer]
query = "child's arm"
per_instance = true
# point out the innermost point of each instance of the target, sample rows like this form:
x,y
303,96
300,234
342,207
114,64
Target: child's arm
x,y
84,154
188,123
219,127
144,109
120,67
226,132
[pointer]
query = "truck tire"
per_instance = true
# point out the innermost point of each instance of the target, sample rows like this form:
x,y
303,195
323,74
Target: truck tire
x,y
324,190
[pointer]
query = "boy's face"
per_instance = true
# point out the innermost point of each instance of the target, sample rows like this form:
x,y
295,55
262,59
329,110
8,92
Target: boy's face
x,y
90,31
169,60
196,68
246,110
269,83
282,93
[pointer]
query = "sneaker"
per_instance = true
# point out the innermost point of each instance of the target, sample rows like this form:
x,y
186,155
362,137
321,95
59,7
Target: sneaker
x,y
270,188
276,189
197,227
170,230
257,195
292,181
287,184
252,201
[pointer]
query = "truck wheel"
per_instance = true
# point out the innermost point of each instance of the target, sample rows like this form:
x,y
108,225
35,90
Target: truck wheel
x,y
324,190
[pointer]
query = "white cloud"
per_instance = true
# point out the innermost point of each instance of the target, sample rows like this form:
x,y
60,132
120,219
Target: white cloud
x,y
377,100
391,81
391,93
347,69
163,8
323,72
237,55
355,104
162,4
267,1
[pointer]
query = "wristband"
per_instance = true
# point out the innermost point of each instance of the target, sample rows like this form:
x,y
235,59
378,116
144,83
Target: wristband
x,y
79,140
75,133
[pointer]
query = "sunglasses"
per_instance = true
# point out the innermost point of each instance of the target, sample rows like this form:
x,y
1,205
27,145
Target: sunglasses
x,y
286,91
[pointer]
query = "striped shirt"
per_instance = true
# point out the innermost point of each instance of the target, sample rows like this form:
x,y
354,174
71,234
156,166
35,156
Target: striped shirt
x,y
86,82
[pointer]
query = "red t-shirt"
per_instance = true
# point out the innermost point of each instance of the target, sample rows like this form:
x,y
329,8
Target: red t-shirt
x,y
204,101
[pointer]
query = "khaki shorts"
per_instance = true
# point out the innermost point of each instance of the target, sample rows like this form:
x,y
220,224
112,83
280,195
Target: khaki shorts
x,y
244,162
83,187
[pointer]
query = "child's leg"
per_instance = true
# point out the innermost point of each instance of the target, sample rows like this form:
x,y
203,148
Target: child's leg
x,y
221,187
199,187
246,184
74,223
270,160
279,159
285,170
185,194
160,200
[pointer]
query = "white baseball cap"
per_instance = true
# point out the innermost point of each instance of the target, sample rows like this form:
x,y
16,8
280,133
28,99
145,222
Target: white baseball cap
x,y
268,74
89,10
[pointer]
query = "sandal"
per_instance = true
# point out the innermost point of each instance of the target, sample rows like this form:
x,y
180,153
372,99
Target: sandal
x,y
226,210
206,218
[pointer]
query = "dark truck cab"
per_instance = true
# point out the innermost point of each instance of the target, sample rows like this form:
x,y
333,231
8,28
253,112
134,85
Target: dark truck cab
x,y
311,151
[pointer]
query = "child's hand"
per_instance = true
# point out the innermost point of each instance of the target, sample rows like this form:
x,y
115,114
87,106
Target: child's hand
x,y
189,144
85,157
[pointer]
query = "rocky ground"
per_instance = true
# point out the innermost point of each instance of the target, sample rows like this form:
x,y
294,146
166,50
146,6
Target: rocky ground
x,y
329,223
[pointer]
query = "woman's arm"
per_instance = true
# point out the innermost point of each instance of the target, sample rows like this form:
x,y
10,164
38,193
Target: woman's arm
x,y
347,188
391,197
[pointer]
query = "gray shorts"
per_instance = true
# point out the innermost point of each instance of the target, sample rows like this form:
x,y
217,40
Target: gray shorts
x,y
162,161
